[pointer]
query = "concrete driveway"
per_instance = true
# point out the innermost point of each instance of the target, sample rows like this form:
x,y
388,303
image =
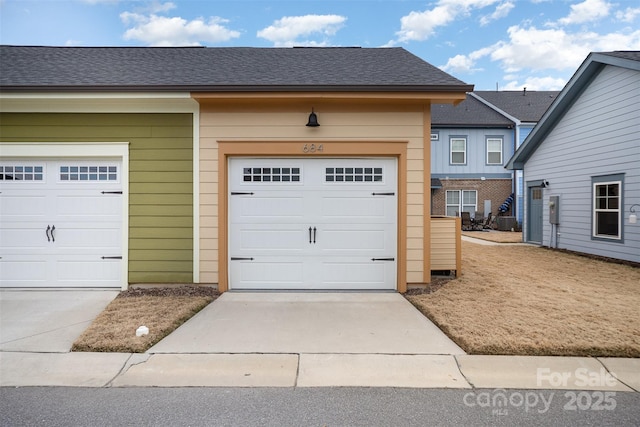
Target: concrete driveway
x,y
47,321
318,323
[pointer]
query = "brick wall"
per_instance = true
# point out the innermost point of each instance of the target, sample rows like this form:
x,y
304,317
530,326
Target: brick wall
x,y
496,190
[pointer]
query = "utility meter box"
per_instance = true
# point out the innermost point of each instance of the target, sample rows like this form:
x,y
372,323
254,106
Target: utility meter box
x,y
554,210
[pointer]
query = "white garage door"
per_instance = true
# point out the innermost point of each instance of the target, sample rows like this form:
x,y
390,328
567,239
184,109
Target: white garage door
x,y
312,223
61,223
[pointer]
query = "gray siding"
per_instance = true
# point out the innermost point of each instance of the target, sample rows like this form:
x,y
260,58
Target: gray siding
x,y
476,153
598,135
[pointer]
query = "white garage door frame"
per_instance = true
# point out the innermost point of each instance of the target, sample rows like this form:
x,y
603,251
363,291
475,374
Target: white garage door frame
x,y
82,150
334,149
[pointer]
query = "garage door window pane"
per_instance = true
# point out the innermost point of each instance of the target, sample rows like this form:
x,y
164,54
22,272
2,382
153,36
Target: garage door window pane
x,y
353,174
88,173
271,174
21,173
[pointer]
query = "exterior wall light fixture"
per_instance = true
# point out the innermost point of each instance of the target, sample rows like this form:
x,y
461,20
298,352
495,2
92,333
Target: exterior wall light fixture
x,y
313,120
633,218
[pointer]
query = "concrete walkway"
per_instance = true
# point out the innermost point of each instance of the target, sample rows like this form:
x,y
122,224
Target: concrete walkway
x,y
283,340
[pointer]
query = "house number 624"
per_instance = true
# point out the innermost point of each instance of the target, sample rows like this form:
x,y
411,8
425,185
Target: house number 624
x,y
312,148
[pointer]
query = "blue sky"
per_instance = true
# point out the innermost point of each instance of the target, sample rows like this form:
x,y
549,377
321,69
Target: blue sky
x,y
509,44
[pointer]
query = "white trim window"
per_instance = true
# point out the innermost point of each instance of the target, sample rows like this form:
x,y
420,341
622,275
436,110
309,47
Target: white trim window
x,y
607,215
494,151
461,201
458,151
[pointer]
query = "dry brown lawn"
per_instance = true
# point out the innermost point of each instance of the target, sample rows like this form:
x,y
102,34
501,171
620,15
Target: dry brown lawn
x,y
510,299
527,300
162,310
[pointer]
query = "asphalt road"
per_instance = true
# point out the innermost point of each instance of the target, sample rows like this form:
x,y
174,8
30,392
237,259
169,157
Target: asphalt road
x,y
59,406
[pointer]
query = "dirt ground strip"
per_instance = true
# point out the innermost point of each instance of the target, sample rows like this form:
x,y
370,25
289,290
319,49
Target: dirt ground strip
x,y
496,236
528,300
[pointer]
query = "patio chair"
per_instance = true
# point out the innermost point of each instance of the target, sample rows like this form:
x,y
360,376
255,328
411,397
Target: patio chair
x,y
487,222
467,224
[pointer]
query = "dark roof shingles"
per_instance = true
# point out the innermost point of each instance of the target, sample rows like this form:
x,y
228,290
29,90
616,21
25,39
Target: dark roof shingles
x,y
526,106
633,55
198,68
469,112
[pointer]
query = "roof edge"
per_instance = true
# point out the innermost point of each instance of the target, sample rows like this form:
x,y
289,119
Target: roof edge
x,y
588,70
243,89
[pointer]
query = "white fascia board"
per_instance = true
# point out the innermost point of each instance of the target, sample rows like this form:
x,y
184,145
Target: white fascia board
x,y
178,102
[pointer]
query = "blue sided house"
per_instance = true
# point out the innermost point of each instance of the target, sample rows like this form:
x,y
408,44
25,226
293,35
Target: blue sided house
x,y
581,162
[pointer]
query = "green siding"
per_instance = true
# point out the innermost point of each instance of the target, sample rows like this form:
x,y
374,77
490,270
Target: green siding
x,y
160,180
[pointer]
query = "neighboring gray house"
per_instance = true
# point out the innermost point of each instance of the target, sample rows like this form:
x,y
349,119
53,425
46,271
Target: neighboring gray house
x,y
581,163
524,108
470,144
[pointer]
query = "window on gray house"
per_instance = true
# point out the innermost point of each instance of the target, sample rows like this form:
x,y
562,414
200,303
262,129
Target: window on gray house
x,y
607,213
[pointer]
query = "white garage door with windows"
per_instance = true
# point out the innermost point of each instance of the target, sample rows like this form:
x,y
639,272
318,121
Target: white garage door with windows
x,y
321,223
61,223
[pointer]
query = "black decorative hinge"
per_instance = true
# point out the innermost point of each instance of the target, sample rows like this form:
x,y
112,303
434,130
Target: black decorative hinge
x,y
235,258
111,257
111,192
383,259
383,194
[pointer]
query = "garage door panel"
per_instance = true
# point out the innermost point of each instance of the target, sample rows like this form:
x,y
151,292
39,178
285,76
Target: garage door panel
x,y
349,207
256,239
95,237
344,240
86,271
269,207
364,274
93,205
23,271
267,273
22,236
16,207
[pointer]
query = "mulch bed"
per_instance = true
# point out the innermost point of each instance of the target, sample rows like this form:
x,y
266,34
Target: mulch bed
x,y
173,291
435,285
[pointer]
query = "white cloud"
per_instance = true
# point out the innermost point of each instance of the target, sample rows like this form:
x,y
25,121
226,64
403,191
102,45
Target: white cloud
x,y
530,51
466,63
286,31
536,83
556,49
628,15
157,30
587,11
459,64
422,25
157,7
531,48
502,10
